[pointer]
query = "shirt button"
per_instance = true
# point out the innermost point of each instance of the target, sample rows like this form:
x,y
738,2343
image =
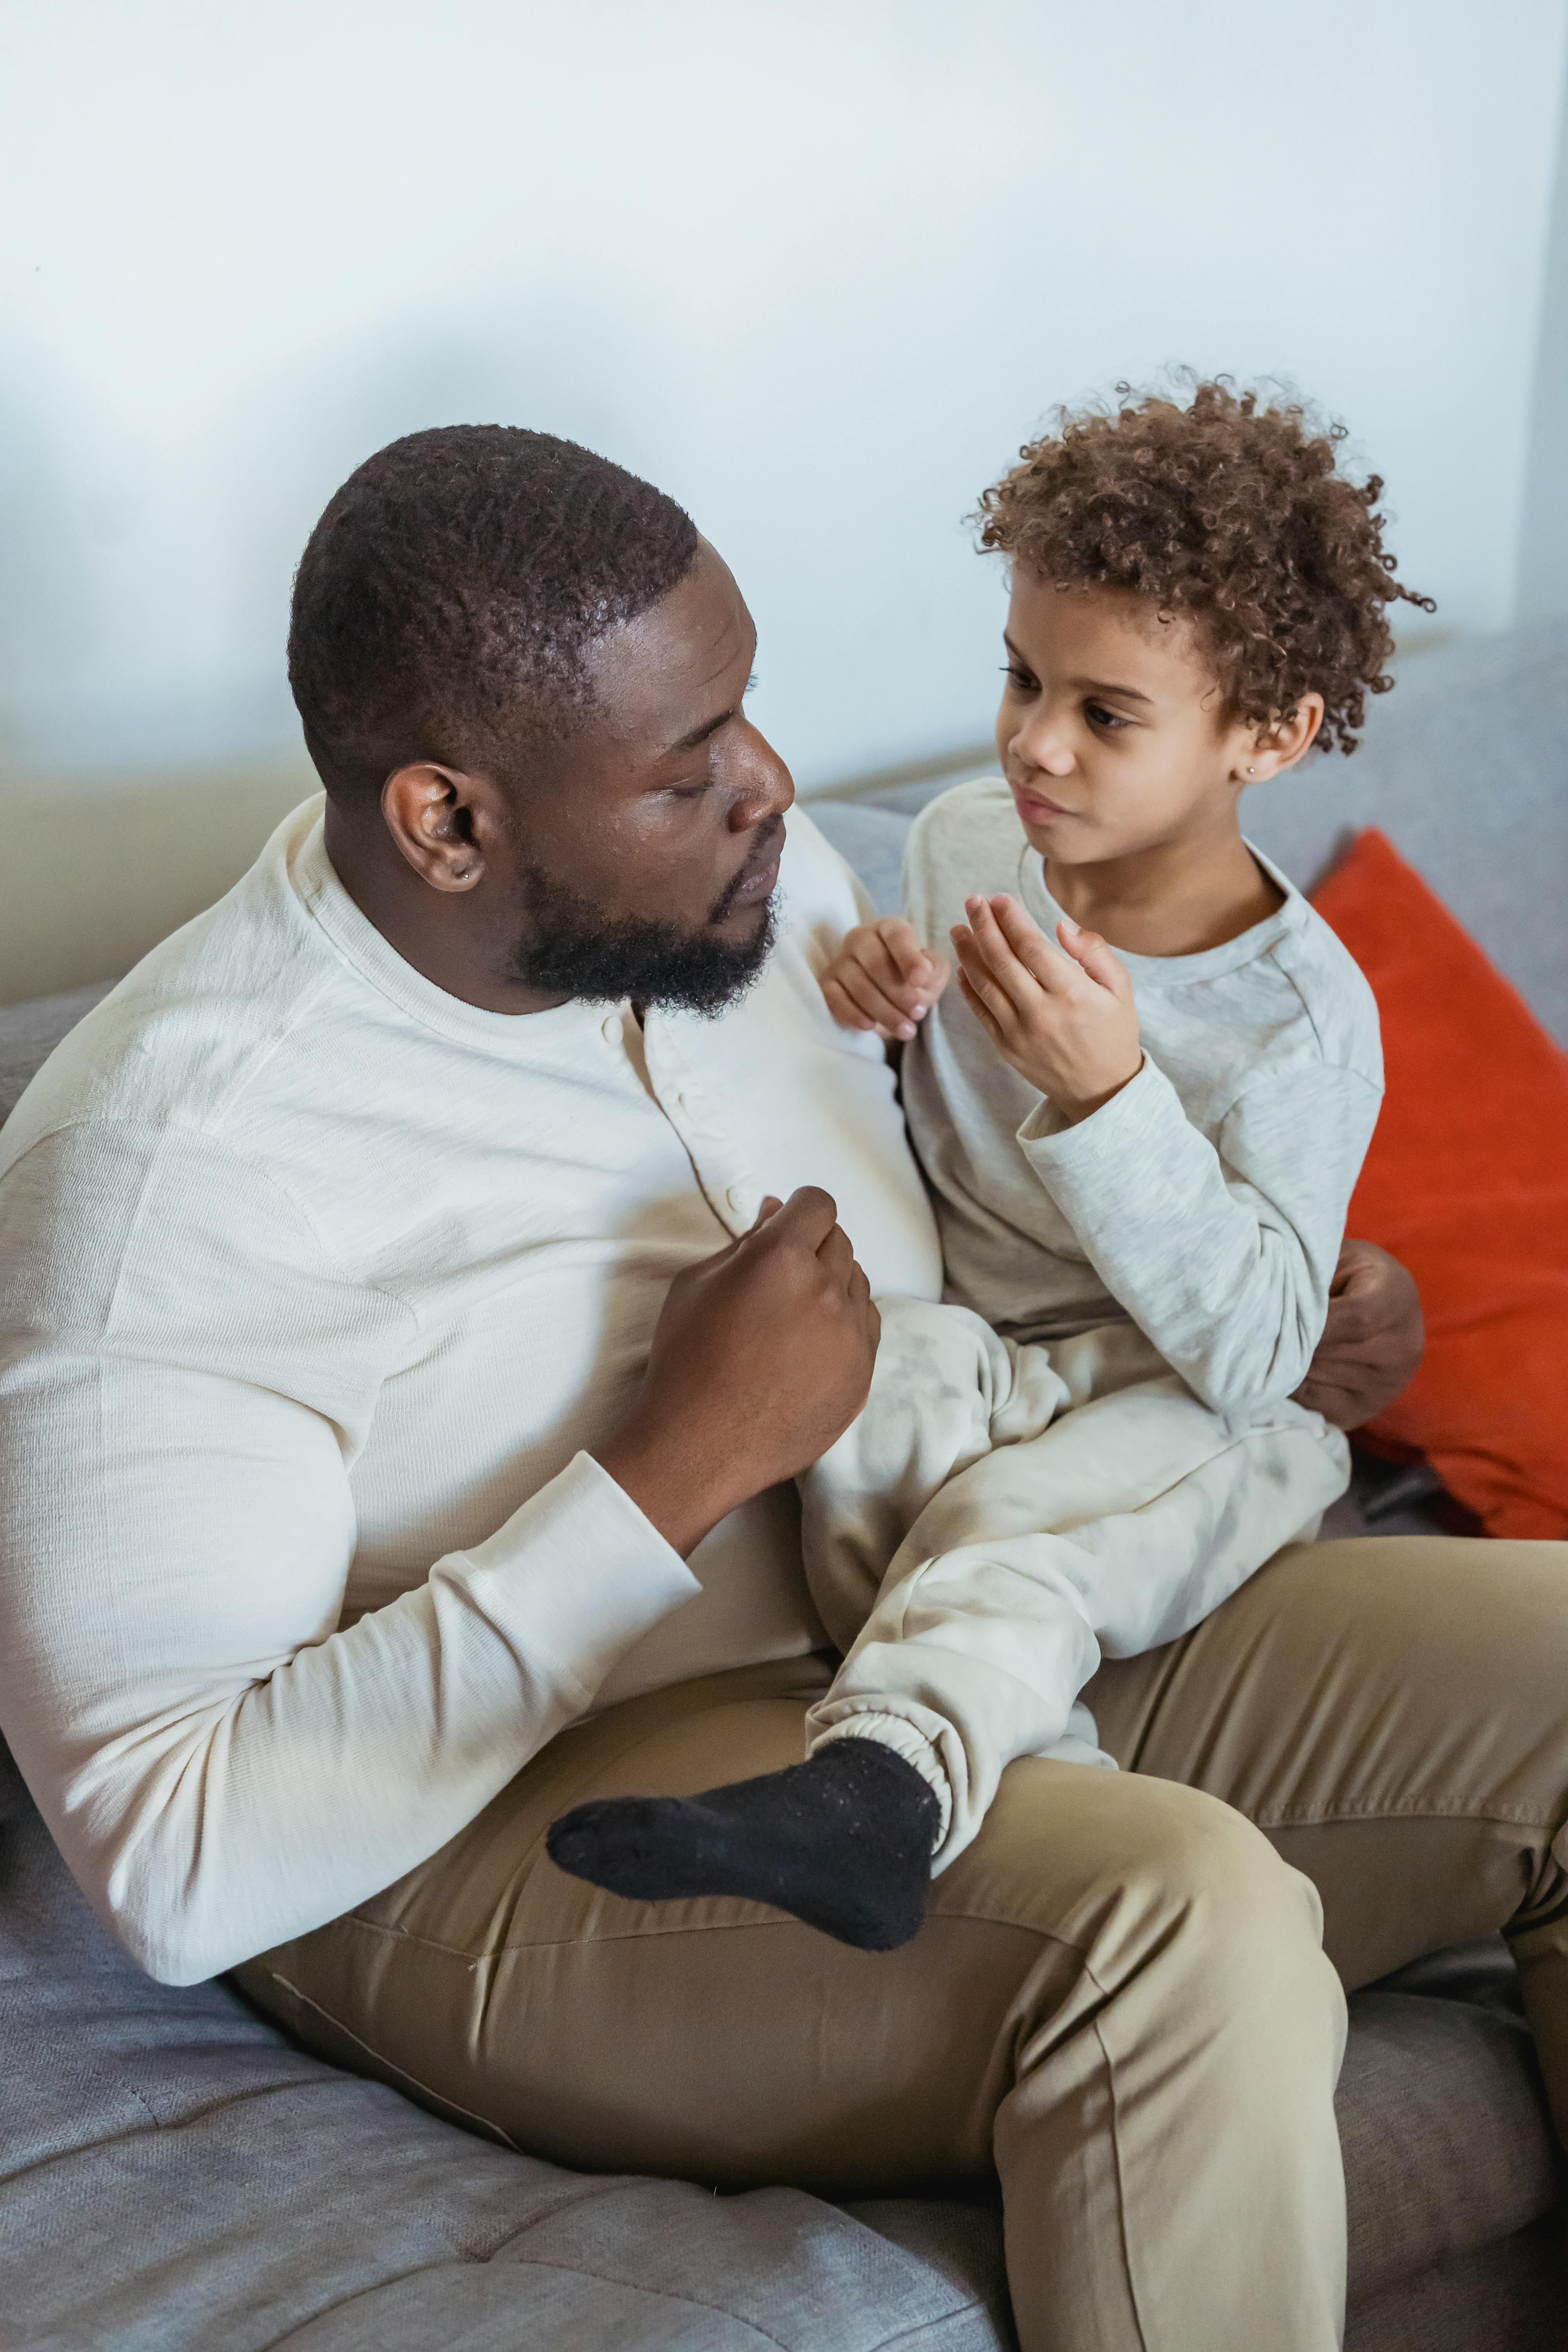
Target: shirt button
x,y
737,1196
683,1102
613,1030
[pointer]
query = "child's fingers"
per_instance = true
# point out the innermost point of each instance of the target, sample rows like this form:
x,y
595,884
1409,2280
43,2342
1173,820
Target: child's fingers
x,y
842,1005
979,983
1039,958
856,1002
980,1009
1096,956
1015,979
912,962
899,968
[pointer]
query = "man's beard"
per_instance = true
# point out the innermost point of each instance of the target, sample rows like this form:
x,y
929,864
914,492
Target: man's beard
x,y
572,950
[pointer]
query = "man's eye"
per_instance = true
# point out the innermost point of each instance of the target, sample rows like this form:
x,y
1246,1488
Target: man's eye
x,y
689,791
1098,716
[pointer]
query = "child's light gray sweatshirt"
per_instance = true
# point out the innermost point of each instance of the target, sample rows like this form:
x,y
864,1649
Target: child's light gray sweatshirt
x,y
1206,1199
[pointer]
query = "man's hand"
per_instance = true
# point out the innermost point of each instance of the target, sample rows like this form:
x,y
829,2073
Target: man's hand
x,y
762,1355
1064,1020
1372,1342
882,978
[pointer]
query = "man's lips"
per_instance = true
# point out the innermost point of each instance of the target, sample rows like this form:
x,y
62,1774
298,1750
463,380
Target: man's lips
x,y
757,876
759,884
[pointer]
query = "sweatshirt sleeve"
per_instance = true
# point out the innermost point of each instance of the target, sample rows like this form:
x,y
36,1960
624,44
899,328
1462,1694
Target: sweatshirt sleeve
x,y
223,1765
1223,1257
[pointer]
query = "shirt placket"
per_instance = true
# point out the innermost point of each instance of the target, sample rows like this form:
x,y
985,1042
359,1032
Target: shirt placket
x,y
676,1083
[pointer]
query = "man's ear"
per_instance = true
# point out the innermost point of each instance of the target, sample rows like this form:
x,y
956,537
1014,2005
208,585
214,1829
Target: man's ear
x,y
1279,743
436,818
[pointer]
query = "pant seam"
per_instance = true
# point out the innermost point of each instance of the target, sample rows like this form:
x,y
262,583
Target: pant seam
x,y
1418,1809
429,2090
637,1935
1110,2066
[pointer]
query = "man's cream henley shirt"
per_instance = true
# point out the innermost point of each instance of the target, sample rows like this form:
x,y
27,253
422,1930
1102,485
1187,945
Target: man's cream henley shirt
x,y
316,1286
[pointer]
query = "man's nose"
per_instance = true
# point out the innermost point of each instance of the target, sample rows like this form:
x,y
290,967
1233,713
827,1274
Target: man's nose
x,y
767,788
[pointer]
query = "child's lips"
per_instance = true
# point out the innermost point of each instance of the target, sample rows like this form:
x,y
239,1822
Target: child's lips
x,y
1034,807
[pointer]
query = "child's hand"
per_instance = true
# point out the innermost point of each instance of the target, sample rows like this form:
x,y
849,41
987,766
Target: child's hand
x,y
882,978
1065,1022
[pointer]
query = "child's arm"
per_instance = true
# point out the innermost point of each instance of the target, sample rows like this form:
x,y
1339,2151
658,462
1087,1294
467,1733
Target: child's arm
x,y
882,978
1222,1256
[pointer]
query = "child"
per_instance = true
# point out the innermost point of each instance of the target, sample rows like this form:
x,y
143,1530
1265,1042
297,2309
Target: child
x,y
1141,1113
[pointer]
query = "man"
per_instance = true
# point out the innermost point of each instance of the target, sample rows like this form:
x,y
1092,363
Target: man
x,y
405,1362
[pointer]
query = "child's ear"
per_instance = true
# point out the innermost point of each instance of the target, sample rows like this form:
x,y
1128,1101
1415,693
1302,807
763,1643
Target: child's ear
x,y
1279,743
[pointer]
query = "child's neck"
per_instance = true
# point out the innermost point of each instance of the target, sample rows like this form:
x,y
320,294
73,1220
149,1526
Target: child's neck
x,y
1175,898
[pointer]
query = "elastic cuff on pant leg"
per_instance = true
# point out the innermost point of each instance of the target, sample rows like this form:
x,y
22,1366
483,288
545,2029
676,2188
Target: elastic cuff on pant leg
x,y
901,1736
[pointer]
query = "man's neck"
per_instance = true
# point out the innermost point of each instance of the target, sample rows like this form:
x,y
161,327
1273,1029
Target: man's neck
x,y
442,935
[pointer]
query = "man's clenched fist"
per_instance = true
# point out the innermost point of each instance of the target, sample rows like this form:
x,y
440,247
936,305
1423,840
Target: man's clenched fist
x,y
761,1358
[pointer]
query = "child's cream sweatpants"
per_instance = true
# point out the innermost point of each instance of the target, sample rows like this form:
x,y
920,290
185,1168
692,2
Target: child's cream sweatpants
x,y
1000,1517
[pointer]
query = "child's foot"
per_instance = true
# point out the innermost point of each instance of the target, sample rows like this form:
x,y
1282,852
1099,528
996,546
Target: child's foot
x,y
843,1841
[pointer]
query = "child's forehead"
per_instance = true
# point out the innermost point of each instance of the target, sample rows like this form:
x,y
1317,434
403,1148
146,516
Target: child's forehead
x,y
1078,630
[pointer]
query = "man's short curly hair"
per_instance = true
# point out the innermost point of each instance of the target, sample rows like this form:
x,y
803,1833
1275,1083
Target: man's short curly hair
x,y
1231,512
445,599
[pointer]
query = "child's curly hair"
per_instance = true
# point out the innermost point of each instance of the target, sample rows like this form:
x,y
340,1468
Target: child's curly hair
x,y
1232,513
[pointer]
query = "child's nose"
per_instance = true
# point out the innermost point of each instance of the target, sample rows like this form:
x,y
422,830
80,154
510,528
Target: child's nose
x,y
1044,748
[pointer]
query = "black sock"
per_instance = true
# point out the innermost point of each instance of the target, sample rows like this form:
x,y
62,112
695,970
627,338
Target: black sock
x,y
844,1840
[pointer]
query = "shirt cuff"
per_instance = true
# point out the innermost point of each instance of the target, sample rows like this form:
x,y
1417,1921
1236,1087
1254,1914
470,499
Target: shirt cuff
x,y
1085,1165
576,1575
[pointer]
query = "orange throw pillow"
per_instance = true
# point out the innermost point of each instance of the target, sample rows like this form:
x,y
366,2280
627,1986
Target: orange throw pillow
x,y
1467,1183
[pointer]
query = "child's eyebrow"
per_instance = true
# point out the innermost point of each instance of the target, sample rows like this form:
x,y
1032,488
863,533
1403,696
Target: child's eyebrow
x,y
1084,685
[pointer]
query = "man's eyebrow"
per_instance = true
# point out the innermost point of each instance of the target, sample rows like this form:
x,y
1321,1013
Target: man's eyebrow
x,y
710,726
699,734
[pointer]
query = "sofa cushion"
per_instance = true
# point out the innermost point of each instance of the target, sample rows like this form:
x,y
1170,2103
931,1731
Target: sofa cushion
x,y
1442,2126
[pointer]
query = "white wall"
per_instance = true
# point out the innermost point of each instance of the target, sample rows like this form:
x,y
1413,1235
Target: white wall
x,y
817,266
1542,593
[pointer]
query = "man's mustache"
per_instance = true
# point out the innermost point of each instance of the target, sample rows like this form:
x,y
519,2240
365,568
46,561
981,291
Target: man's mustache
x,y
758,855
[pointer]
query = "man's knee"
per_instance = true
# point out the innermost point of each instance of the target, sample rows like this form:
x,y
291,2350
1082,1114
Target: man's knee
x,y
1256,1917
1137,1872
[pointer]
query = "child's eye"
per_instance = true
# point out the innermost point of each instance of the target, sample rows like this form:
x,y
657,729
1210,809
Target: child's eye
x,y
1098,716
1022,680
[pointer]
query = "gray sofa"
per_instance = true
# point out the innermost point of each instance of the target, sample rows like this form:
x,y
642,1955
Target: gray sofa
x,y
177,2176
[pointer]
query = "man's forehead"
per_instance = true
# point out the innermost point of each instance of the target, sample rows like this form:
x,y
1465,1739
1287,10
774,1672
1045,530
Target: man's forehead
x,y
680,663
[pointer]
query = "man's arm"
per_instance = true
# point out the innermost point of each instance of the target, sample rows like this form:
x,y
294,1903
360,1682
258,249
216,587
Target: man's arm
x,y
183,1378
1373,1341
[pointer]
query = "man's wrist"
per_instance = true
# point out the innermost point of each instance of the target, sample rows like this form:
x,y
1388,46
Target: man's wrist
x,y
669,1486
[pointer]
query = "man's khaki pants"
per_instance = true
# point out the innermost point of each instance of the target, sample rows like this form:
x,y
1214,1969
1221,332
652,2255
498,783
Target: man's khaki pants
x,y
1119,2001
